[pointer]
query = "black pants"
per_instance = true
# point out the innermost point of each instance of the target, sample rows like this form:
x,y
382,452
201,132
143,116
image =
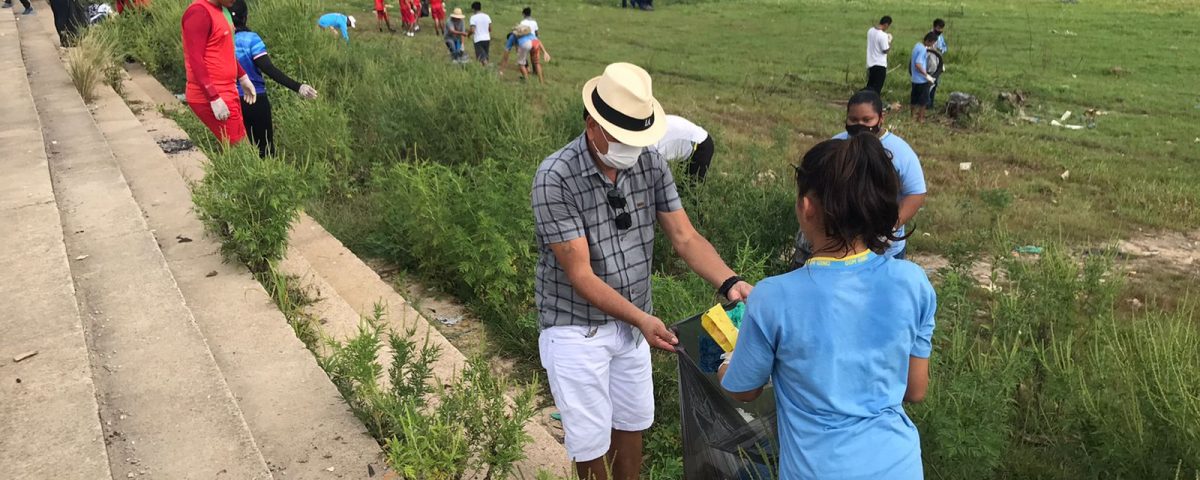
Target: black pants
x,y
24,3
875,77
701,159
68,19
259,128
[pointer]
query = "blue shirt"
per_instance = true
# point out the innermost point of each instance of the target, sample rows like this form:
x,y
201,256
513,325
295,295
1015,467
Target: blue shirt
x,y
941,44
918,58
912,177
526,41
335,20
248,46
835,337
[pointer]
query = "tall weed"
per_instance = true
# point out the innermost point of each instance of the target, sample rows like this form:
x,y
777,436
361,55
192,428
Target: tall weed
x,y
251,203
461,427
93,61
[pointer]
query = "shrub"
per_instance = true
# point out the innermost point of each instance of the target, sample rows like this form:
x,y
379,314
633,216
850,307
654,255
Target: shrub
x,y
250,204
94,60
469,228
442,431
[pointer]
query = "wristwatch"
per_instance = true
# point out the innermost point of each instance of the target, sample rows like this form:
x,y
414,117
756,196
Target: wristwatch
x,y
727,285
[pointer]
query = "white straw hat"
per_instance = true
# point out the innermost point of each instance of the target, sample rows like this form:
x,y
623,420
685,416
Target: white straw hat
x,y
457,13
622,102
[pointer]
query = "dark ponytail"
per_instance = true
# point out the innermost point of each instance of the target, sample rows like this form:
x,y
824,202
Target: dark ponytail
x,y
858,190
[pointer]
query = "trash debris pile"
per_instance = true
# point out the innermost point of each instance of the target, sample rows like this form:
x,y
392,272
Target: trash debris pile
x,y
961,105
1016,100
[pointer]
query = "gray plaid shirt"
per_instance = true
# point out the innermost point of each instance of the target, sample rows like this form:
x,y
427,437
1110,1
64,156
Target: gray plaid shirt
x,y
570,200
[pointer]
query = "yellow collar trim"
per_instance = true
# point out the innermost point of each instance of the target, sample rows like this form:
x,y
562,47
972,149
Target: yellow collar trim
x,y
846,261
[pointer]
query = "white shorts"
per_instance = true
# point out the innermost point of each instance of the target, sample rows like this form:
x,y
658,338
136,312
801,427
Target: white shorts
x,y
601,381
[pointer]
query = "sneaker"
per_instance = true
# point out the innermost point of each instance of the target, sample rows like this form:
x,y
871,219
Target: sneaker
x,y
28,11
7,5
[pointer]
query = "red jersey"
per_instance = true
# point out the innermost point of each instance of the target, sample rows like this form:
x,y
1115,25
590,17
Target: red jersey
x,y
380,5
208,55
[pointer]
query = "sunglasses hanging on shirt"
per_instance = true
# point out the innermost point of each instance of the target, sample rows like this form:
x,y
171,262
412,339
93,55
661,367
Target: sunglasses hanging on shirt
x,y
616,201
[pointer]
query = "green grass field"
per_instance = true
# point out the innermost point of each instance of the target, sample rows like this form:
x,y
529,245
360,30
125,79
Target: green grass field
x,y
759,73
1051,375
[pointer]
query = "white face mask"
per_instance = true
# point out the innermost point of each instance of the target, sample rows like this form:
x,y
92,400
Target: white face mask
x,y
619,156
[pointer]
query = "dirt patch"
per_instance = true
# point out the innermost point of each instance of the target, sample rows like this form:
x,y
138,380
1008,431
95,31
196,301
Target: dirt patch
x,y
1148,259
1171,251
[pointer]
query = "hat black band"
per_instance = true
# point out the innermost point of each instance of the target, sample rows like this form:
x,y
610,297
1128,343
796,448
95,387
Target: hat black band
x,y
617,118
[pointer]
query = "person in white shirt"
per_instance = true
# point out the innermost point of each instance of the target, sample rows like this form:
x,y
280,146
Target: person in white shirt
x,y
529,21
481,32
685,140
879,42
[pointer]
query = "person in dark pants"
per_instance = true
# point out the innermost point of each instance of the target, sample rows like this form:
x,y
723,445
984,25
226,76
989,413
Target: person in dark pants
x,y
24,3
879,43
252,54
68,20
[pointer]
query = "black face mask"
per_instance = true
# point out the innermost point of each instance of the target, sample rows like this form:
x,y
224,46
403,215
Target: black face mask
x,y
853,130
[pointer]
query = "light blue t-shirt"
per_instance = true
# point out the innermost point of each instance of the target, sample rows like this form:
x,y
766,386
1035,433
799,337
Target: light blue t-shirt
x,y
941,44
524,41
248,46
912,177
335,20
918,58
835,337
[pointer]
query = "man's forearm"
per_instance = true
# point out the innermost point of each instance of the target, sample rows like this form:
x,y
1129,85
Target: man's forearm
x,y
601,295
700,255
909,206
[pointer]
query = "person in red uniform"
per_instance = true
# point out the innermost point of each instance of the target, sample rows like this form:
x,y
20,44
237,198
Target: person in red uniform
x,y
437,10
381,15
408,14
213,72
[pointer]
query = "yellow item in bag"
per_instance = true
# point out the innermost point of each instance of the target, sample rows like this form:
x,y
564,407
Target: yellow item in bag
x,y
718,325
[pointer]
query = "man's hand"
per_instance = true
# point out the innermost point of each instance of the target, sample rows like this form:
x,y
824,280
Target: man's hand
x,y
740,291
307,91
657,334
248,92
929,78
220,109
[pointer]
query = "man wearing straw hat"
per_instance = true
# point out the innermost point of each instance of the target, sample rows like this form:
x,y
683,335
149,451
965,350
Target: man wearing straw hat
x,y
456,31
595,203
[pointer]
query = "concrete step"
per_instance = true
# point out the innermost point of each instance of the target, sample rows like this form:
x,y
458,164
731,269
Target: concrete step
x,y
324,265
165,407
361,287
49,419
297,416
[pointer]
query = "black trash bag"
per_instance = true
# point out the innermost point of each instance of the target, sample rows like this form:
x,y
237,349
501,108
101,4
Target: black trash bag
x,y
722,438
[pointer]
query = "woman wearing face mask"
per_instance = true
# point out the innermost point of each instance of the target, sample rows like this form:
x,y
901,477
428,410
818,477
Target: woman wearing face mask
x,y
595,203
864,115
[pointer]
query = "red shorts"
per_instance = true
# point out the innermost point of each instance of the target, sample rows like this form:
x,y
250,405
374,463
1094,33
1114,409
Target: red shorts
x,y
438,12
381,14
408,16
232,130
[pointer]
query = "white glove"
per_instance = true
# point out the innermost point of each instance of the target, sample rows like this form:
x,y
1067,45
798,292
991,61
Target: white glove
x,y
307,91
220,109
945,67
248,93
726,358
929,78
